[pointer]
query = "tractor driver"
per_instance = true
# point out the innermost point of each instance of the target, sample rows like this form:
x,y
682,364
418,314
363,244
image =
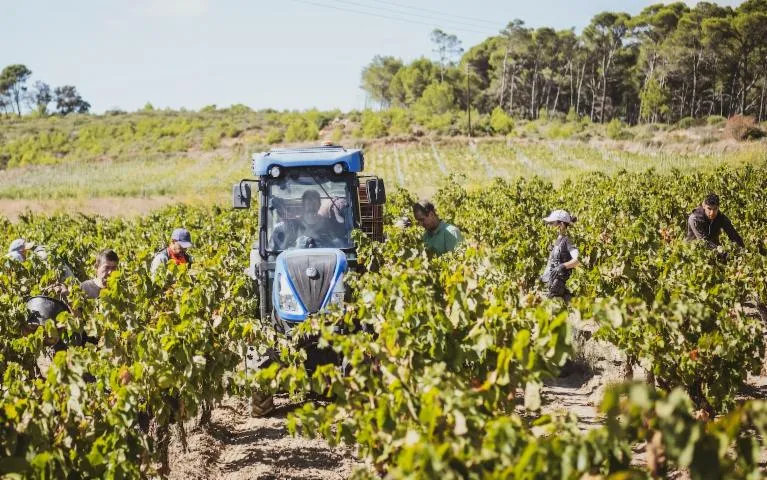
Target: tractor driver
x,y
310,230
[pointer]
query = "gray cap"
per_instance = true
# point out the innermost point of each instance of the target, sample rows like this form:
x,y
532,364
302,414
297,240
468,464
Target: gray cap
x,y
559,216
20,245
183,237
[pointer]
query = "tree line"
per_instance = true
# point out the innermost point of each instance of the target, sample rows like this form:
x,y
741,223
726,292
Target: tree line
x,y
16,95
667,63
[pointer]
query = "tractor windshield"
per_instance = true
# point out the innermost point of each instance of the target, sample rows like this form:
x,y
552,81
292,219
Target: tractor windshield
x,y
309,210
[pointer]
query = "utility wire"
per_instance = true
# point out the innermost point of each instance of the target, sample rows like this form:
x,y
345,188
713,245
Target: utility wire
x,y
437,12
439,17
388,17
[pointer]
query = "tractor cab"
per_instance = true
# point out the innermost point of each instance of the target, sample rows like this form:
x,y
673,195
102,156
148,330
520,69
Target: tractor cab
x,y
309,202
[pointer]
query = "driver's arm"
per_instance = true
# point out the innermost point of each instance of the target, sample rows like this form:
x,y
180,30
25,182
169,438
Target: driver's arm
x,y
278,237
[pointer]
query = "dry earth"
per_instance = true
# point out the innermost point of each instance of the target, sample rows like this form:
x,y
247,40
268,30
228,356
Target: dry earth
x,y
236,446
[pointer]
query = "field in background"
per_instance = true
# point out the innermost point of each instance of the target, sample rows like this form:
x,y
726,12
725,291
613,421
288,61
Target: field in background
x,y
420,166
132,163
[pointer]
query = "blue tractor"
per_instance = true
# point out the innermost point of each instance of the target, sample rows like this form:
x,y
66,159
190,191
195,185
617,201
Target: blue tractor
x,y
309,202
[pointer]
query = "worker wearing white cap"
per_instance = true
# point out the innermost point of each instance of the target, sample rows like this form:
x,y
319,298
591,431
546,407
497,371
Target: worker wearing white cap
x,y
19,248
563,256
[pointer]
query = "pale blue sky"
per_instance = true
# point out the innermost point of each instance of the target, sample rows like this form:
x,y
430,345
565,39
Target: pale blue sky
x,y
284,54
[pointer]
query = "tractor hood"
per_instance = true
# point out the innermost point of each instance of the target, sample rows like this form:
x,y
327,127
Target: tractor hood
x,y
307,281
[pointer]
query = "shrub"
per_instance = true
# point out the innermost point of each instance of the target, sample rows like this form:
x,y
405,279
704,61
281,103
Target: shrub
x,y
743,128
563,130
337,135
500,122
442,124
301,129
715,120
211,141
239,109
274,136
572,115
373,125
616,130
400,121
437,99
689,122
531,127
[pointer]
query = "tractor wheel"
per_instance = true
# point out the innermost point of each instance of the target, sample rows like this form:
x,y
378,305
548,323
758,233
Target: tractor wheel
x,y
262,404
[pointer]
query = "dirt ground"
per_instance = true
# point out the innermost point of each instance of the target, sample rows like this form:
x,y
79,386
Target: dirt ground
x,y
237,446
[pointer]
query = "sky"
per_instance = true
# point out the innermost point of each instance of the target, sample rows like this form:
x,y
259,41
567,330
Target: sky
x,y
282,54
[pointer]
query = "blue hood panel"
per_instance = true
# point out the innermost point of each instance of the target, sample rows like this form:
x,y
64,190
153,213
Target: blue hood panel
x,y
311,275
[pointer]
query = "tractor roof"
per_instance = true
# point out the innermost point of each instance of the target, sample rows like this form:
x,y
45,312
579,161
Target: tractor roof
x,y
325,156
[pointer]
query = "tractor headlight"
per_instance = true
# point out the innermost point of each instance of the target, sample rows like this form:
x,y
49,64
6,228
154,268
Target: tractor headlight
x,y
338,168
338,294
288,300
274,171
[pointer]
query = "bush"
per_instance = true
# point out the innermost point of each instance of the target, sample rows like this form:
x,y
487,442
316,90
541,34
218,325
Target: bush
x,y
337,135
743,128
531,128
480,124
501,122
400,121
239,109
572,115
616,130
211,141
301,129
437,99
689,122
715,120
559,130
274,136
442,124
373,125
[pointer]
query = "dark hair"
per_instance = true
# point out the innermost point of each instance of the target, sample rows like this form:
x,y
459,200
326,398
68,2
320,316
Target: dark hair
x,y
106,255
712,200
314,194
424,206
573,219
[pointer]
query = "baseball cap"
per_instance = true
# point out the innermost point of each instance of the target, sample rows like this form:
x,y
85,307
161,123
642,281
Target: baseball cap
x,y
559,216
19,245
183,237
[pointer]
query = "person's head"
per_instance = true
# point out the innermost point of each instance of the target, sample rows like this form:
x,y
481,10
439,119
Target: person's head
x,y
180,241
426,215
106,263
711,206
310,204
20,247
560,219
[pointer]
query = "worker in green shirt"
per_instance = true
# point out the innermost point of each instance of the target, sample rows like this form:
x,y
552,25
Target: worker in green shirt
x,y
439,236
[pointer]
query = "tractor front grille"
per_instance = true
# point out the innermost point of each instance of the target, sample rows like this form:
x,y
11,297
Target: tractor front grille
x,y
311,291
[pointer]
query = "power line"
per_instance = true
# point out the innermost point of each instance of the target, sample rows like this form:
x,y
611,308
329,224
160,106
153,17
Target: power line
x,y
387,17
426,10
438,16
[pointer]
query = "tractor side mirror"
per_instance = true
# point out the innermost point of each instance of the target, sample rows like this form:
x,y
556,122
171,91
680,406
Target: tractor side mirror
x,y
376,191
241,195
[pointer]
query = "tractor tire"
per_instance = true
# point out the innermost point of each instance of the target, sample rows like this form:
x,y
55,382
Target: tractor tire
x,y
262,404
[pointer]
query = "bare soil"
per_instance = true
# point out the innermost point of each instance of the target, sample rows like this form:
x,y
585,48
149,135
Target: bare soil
x,y
236,446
